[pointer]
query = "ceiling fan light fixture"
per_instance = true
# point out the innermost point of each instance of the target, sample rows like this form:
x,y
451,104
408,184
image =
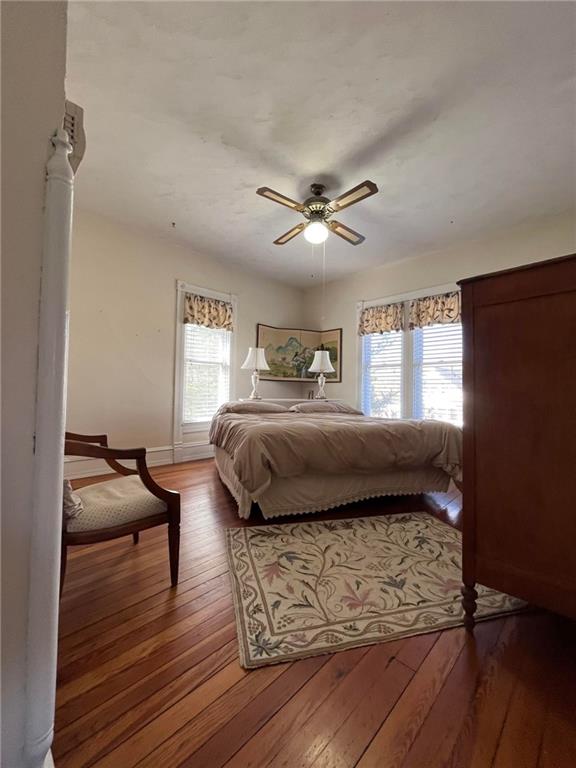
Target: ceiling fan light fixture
x,y
316,232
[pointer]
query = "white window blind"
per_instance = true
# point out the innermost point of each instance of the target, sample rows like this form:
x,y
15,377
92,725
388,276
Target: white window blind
x,y
413,374
382,356
437,372
206,372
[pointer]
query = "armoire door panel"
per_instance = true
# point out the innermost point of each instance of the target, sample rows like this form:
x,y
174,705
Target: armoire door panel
x,y
525,432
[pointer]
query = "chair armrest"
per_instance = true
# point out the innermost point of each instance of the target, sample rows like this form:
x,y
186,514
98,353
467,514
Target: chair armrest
x,y
79,448
100,439
171,498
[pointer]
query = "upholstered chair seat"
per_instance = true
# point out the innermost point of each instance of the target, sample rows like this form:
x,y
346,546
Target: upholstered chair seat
x,y
115,502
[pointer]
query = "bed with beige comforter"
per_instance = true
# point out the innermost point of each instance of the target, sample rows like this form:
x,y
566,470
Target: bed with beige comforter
x,y
290,462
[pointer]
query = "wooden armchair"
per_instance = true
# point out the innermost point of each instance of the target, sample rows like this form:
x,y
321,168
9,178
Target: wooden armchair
x,y
120,506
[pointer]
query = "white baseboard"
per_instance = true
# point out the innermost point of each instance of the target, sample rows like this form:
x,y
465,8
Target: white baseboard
x,y
192,452
76,467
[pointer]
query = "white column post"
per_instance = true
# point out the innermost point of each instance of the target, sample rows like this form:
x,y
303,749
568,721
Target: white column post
x,y
48,458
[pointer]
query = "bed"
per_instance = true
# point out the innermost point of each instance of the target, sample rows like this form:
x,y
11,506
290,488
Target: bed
x,y
316,456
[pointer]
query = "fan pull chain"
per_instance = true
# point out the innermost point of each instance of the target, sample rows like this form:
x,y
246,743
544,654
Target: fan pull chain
x,y
323,311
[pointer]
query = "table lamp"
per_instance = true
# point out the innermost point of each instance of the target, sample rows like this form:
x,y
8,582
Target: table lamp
x,y
255,361
321,365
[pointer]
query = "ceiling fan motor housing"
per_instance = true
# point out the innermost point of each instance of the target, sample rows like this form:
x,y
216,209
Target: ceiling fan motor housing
x,y
316,208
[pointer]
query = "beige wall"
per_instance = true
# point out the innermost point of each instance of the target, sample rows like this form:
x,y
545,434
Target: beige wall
x,y
33,69
532,242
122,322
122,327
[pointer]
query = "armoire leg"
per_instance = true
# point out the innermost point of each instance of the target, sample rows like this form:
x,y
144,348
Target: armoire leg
x,y
469,596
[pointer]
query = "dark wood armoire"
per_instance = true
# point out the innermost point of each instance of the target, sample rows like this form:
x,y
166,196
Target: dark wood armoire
x,y
519,500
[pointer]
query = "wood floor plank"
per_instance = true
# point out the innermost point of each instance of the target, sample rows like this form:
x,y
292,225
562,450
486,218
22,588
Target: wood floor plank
x,y
522,733
83,697
178,673
161,644
102,730
394,739
320,729
348,700
415,649
197,704
558,747
482,727
83,644
137,563
195,731
435,741
138,571
217,750
100,609
149,675
190,612
281,729
351,739
154,631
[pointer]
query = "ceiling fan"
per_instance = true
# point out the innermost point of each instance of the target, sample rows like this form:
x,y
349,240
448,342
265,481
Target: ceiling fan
x,y
318,210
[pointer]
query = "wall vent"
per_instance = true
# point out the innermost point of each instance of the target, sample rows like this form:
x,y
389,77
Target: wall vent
x,y
74,127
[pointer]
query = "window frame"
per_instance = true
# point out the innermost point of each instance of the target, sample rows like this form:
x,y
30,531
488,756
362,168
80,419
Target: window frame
x,y
180,427
407,340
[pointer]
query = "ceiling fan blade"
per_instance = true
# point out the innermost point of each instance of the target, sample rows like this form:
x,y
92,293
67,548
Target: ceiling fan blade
x,y
354,195
278,198
290,234
355,238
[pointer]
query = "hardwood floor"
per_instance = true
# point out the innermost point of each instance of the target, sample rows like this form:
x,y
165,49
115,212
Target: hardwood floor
x,y
148,675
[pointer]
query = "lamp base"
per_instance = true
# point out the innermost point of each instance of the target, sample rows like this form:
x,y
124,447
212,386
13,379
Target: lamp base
x,y
255,395
321,394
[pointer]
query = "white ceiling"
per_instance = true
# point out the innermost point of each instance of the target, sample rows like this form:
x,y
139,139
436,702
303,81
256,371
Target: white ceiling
x,y
462,113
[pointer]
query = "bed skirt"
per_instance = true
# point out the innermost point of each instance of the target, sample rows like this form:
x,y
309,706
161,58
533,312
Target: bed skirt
x,y
316,493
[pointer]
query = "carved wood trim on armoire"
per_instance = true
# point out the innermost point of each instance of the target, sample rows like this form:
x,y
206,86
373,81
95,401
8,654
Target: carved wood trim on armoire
x,y
519,499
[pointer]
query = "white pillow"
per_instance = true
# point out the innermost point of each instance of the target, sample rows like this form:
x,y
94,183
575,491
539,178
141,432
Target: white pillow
x,y
323,406
71,503
251,406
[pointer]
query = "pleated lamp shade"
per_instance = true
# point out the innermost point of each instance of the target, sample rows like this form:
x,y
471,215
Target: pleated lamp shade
x,y
321,362
256,359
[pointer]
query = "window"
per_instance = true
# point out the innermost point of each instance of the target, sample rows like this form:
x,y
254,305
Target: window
x,y
413,374
206,372
382,374
437,372
204,356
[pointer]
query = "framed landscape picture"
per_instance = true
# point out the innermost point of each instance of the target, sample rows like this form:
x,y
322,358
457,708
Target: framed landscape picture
x,y
290,351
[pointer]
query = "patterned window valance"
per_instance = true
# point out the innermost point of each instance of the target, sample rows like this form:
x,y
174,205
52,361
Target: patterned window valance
x,y
388,317
433,310
211,313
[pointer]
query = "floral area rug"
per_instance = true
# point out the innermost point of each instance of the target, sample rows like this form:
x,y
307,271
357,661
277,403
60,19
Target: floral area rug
x,y
303,589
